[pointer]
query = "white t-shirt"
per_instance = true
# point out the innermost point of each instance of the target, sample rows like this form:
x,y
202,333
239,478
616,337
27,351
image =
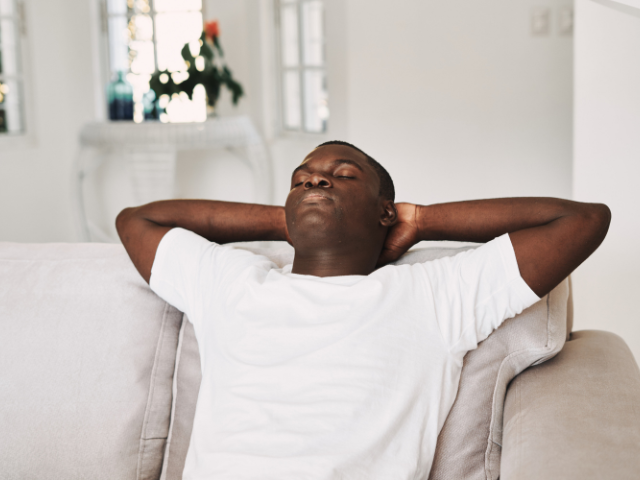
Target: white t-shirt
x,y
329,378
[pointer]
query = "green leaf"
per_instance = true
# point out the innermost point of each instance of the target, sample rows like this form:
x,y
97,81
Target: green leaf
x,y
186,54
160,88
216,42
190,83
206,51
236,90
212,83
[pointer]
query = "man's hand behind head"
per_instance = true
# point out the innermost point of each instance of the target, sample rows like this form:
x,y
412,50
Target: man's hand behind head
x,y
401,236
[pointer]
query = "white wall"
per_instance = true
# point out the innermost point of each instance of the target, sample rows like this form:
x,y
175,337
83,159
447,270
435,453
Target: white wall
x,y
35,199
457,99
607,163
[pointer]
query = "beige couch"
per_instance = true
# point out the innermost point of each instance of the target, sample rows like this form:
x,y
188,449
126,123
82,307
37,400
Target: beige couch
x,y
99,380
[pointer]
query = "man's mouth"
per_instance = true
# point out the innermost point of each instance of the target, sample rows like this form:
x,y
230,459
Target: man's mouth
x,y
315,196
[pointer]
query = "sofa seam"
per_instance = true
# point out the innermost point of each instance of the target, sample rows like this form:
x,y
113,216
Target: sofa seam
x,y
518,424
507,359
152,386
174,399
491,442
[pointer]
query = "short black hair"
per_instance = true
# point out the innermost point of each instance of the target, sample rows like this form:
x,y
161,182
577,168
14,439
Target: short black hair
x,y
387,189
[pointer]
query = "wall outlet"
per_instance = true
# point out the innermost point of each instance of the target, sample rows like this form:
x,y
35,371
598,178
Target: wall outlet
x,y
540,21
565,21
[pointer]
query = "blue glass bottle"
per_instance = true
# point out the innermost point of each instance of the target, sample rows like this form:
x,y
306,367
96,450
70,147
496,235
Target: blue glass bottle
x,y
120,98
150,105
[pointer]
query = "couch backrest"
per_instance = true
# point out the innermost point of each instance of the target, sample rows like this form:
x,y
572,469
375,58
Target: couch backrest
x,y
88,355
87,358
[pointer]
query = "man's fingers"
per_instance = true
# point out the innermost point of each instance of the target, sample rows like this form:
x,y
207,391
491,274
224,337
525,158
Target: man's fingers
x,y
384,259
388,256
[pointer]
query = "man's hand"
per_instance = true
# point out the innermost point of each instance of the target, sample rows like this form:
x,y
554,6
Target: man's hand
x,y
402,236
550,236
142,228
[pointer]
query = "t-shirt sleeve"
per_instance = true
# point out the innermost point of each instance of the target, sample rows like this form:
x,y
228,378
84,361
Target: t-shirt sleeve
x,y
475,291
176,266
189,270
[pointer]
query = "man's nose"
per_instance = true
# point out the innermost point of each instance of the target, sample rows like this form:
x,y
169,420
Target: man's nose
x,y
316,180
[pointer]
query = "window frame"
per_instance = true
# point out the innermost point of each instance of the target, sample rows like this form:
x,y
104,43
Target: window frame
x,y
301,68
24,138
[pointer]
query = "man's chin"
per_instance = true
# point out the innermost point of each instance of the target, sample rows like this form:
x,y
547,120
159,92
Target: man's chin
x,y
311,221
312,214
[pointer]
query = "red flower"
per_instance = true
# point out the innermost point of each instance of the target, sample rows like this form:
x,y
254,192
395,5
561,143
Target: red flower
x,y
211,29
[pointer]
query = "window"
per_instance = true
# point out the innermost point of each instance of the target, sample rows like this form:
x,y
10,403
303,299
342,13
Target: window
x,y
303,77
11,79
145,35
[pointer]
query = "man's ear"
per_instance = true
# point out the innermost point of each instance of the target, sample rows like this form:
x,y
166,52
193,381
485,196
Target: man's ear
x,y
389,215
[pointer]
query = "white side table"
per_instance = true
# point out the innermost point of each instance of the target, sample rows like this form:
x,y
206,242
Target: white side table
x,y
151,150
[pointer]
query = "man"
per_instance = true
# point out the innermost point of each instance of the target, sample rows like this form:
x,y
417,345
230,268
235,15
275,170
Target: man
x,y
341,366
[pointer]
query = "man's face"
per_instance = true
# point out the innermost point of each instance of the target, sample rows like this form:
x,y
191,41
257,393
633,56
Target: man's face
x,y
334,196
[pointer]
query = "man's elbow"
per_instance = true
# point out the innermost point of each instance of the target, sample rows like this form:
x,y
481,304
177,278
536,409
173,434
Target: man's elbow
x,y
123,218
599,219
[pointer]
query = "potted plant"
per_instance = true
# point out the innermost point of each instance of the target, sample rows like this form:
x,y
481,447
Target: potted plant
x,y
205,66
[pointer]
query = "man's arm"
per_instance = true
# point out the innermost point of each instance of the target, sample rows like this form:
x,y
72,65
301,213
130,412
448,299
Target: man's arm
x,y
142,228
551,237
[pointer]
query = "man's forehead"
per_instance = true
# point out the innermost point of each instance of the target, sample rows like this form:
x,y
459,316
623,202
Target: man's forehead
x,y
331,153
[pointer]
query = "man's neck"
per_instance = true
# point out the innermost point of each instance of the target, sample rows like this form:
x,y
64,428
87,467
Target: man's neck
x,y
327,262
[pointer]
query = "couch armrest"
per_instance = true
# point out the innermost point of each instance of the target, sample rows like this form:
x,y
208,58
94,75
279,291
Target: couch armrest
x,y
576,416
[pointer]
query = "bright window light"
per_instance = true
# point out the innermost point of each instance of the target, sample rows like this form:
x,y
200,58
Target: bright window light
x,y
303,75
145,35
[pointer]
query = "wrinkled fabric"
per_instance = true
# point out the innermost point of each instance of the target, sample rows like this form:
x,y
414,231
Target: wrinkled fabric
x,y
334,377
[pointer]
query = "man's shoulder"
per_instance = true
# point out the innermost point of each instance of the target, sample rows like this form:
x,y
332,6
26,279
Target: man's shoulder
x,y
430,253
279,254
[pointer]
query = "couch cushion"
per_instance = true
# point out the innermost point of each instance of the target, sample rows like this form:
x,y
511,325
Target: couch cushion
x,y
87,356
186,386
580,412
469,443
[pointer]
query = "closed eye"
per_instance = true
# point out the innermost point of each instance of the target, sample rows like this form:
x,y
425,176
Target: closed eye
x,y
337,176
